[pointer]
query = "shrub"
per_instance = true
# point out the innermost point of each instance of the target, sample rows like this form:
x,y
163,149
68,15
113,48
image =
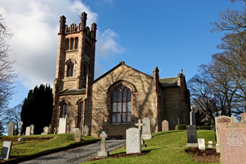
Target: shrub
x,y
204,127
180,127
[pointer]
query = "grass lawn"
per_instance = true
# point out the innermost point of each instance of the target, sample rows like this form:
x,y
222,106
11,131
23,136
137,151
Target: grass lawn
x,y
165,147
42,144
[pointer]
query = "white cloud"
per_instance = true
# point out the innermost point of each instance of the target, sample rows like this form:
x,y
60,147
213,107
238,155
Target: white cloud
x,y
34,24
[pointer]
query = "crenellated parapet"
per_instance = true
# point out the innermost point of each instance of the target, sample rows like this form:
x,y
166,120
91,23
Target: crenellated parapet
x,y
73,28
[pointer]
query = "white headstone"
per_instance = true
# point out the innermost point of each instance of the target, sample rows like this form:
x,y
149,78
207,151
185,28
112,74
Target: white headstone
x,y
32,129
28,131
77,135
146,134
86,130
133,143
45,130
210,144
6,149
201,143
62,125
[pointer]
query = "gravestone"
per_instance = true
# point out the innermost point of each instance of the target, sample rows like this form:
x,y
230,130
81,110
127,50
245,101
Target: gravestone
x,y
21,123
62,126
32,129
45,130
11,129
6,148
192,118
28,131
20,139
103,152
233,118
133,143
86,130
165,125
191,136
201,143
139,124
146,134
210,144
232,143
218,121
77,135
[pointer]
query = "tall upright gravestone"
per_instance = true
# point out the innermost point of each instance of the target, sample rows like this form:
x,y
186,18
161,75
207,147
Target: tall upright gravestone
x,y
133,141
32,129
103,152
146,133
77,135
192,118
28,131
11,129
191,136
165,125
86,130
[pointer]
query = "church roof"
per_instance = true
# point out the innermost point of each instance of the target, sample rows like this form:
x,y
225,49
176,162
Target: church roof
x,y
169,82
72,91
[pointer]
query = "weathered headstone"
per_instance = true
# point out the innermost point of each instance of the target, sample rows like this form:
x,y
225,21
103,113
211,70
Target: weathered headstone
x,y
210,144
146,134
28,131
133,143
139,124
45,130
62,126
86,130
165,125
191,136
103,152
21,123
11,129
218,121
77,135
32,129
232,143
201,143
233,118
6,149
192,118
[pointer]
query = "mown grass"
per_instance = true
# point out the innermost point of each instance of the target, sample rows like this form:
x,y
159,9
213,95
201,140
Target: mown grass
x,y
42,144
165,147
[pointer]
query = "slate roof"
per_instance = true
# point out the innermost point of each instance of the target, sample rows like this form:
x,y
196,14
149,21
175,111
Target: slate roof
x,y
72,91
169,82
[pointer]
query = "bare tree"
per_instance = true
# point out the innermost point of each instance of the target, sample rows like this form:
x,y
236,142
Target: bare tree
x,y
13,115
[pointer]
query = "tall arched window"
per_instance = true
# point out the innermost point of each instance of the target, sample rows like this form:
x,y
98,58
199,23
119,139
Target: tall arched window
x,y
76,43
121,105
63,110
70,69
80,112
67,44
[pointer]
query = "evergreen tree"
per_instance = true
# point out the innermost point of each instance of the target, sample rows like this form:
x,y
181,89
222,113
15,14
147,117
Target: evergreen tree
x,y
37,108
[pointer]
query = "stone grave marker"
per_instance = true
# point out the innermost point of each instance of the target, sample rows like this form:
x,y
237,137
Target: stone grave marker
x,y
139,124
32,129
210,144
11,129
133,143
201,143
6,148
28,131
192,118
77,135
146,134
232,143
165,125
233,118
103,152
218,121
62,126
191,136
20,139
21,123
86,130
54,131
45,130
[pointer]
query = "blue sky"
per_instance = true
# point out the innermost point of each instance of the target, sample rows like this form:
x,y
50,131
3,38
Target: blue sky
x,y
172,35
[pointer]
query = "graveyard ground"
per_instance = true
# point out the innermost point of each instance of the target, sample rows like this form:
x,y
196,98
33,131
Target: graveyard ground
x,y
37,145
165,147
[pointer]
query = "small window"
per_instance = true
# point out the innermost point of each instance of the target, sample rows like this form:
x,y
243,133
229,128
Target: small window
x,y
64,110
121,105
72,42
67,44
76,43
70,69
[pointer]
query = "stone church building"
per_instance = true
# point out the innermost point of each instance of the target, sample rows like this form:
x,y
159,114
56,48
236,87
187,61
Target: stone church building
x,y
116,100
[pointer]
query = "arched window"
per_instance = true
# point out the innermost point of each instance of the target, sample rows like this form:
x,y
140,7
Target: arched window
x,y
70,69
121,105
80,112
67,44
72,40
63,110
76,43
